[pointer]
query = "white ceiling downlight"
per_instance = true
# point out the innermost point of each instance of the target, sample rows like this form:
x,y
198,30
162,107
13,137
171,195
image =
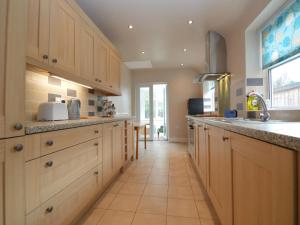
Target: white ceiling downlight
x,y
130,27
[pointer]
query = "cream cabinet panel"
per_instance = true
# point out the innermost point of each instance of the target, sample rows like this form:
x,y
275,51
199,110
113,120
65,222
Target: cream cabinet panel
x,y
86,51
115,71
101,61
38,25
263,182
118,148
12,67
298,188
66,207
52,173
107,153
62,45
219,173
203,156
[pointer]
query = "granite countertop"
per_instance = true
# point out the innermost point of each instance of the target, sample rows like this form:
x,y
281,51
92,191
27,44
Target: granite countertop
x,y
284,134
47,126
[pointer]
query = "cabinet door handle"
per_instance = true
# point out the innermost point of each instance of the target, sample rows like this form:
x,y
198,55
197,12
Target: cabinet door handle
x,y
54,60
49,209
96,131
110,86
96,144
100,81
96,79
18,126
18,147
45,56
49,164
96,173
116,125
50,143
225,138
205,128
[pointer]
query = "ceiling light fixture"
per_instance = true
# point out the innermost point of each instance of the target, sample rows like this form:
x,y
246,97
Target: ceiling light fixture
x,y
190,22
143,52
185,50
181,64
130,27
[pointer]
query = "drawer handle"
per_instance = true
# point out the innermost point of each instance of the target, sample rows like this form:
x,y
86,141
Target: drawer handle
x,y
49,164
110,86
49,209
50,143
96,131
96,144
116,125
205,128
18,147
18,126
45,56
225,138
54,60
96,172
100,81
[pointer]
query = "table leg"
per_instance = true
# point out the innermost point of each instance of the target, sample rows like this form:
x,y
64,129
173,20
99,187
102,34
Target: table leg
x,y
145,137
137,143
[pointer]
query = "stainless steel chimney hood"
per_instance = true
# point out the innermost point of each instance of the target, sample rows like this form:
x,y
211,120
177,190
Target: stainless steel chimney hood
x,y
215,57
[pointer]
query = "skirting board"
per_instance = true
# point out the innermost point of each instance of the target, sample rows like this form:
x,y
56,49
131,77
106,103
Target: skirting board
x,y
178,140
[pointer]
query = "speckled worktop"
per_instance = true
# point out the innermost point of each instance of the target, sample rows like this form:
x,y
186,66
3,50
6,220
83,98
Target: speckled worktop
x,y
284,134
40,127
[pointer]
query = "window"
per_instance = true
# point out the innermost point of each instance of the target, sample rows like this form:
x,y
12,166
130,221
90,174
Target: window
x,y
285,84
209,88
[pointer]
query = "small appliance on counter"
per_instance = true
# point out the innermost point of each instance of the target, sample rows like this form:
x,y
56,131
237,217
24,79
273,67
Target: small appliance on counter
x,y
195,106
50,111
74,109
108,109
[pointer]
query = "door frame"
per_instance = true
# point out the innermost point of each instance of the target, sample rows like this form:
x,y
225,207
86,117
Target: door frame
x,y
137,105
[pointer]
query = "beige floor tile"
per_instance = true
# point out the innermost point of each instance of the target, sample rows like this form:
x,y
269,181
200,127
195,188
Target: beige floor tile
x,y
94,217
105,201
209,222
184,192
125,202
199,194
158,179
141,170
138,178
149,219
182,207
178,173
174,220
115,187
113,217
153,205
204,210
179,181
132,189
160,171
124,177
156,190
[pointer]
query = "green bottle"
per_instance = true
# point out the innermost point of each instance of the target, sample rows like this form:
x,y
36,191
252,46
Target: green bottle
x,y
252,103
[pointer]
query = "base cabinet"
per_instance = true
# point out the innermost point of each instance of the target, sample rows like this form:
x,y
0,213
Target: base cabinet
x,y
118,150
107,153
202,153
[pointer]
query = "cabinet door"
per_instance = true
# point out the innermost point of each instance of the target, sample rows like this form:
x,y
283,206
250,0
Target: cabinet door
x,y
203,156
130,141
12,67
62,46
107,153
38,25
118,149
2,169
101,63
263,182
219,174
298,188
14,181
114,71
86,51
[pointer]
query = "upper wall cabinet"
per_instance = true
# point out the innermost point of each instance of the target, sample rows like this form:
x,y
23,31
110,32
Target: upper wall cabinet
x,y
62,40
12,67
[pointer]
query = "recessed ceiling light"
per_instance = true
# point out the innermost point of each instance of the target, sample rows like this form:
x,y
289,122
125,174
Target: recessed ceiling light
x,y
130,27
190,22
143,52
181,64
185,50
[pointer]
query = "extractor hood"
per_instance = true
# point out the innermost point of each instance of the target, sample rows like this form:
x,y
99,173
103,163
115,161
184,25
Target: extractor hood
x,y
215,57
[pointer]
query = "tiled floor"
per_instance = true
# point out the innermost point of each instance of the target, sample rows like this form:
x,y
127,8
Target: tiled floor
x,y
160,188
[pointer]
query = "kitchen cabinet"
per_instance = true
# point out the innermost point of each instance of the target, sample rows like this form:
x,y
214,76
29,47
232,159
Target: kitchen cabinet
x,y
219,186
114,71
202,153
12,67
85,53
263,182
101,61
129,137
118,150
107,153
298,165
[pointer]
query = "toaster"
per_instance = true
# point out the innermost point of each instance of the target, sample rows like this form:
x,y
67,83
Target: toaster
x,y
50,111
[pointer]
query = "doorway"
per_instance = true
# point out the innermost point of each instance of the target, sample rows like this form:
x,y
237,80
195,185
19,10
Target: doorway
x,y
152,109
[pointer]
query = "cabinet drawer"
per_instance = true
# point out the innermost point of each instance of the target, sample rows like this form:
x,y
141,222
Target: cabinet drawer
x,y
57,140
66,207
52,173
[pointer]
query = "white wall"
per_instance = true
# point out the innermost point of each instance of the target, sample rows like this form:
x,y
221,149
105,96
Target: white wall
x,y
180,89
123,103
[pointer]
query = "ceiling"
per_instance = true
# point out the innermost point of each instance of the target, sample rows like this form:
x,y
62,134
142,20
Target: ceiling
x,y
161,29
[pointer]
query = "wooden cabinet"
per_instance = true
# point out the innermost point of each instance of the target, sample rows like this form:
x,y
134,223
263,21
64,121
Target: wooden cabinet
x,y
66,207
219,186
298,165
114,71
129,144
12,67
85,51
118,150
101,61
202,153
107,153
263,182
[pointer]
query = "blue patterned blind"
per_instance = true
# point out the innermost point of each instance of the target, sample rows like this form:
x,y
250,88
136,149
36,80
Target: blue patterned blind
x,y
281,38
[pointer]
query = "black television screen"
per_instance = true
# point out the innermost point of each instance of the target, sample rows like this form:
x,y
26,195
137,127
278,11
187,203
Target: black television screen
x,y
195,106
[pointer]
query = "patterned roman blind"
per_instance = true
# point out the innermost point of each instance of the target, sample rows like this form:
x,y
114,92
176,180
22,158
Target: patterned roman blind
x,y
281,38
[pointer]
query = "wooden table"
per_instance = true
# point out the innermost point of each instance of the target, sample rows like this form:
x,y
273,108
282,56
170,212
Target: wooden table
x,y
137,126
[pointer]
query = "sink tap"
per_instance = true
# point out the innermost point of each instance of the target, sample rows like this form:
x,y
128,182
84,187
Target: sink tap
x,y
264,115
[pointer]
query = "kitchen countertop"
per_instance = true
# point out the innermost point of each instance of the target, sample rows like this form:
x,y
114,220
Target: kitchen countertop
x,y
47,126
284,134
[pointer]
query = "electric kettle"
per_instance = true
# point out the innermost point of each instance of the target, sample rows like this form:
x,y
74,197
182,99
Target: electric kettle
x,y
74,109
